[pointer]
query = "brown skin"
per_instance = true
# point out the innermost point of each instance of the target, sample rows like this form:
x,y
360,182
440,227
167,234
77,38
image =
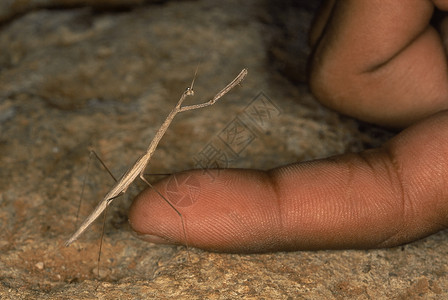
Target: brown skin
x,y
377,60
380,61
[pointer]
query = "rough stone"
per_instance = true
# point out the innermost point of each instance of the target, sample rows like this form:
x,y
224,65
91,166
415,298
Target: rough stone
x,y
12,8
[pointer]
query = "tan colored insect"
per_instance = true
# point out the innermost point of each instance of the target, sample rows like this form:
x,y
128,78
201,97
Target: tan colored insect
x,y
139,166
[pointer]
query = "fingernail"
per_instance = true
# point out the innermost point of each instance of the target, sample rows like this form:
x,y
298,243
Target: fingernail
x,y
153,239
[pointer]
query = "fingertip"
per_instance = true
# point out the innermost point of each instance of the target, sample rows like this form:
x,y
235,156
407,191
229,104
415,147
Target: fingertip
x,y
222,210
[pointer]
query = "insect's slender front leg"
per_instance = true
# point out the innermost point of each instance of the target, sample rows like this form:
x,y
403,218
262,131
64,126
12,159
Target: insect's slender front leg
x,y
238,79
142,177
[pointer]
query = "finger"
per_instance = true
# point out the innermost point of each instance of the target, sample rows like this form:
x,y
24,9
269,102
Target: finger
x,y
320,21
381,62
441,4
378,198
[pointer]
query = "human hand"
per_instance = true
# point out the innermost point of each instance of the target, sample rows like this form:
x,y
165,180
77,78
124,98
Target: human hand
x,y
381,62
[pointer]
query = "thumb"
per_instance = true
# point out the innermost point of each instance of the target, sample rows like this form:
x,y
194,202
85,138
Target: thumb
x,y
377,198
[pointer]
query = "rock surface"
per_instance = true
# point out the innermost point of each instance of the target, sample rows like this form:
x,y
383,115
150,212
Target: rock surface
x,y
73,77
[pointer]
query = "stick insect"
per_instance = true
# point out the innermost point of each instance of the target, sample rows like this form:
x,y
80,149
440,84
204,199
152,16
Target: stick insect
x,y
139,166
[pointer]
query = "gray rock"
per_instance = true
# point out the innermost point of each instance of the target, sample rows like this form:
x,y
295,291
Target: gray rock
x,y
12,8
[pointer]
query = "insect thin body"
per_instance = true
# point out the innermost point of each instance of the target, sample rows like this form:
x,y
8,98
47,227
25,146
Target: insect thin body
x,y
139,166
